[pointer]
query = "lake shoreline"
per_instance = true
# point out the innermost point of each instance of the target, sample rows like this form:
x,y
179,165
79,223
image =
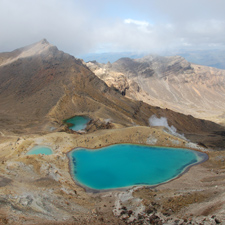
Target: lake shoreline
x,y
204,157
201,187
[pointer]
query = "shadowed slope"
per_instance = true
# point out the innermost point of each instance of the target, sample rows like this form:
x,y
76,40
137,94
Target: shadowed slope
x,y
50,81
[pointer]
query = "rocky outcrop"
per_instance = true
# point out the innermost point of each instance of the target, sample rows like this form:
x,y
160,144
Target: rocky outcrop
x,y
174,83
112,79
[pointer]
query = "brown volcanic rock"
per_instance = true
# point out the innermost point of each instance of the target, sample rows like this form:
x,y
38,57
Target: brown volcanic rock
x,y
42,81
39,189
40,84
174,83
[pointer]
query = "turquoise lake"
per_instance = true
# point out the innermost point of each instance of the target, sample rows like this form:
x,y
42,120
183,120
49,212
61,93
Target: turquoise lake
x,y
125,165
40,150
79,122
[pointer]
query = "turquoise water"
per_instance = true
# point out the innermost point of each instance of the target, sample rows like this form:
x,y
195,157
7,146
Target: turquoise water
x,y
79,122
125,165
40,150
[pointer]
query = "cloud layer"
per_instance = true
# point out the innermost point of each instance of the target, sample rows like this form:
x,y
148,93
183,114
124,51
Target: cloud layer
x,y
79,27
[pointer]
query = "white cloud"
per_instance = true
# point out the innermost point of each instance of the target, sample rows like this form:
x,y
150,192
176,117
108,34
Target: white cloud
x,y
63,23
141,25
136,22
83,26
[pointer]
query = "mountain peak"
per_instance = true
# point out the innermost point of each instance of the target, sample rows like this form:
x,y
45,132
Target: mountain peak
x,y
44,41
37,48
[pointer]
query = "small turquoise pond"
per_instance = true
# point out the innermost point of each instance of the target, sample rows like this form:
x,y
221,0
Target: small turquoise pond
x,y
40,150
125,165
78,122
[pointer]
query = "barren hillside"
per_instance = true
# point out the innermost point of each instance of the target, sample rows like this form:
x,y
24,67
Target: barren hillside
x,y
169,82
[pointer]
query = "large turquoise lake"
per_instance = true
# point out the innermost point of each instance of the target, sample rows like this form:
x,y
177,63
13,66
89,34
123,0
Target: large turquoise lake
x,y
78,122
126,165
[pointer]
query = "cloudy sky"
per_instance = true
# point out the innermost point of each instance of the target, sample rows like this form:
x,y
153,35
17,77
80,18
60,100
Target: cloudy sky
x,y
84,26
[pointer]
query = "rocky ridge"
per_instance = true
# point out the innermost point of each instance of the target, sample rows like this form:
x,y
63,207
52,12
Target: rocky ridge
x,y
168,82
39,91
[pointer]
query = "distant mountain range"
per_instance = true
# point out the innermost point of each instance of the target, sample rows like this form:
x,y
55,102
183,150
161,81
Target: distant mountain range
x,y
168,82
110,56
213,58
